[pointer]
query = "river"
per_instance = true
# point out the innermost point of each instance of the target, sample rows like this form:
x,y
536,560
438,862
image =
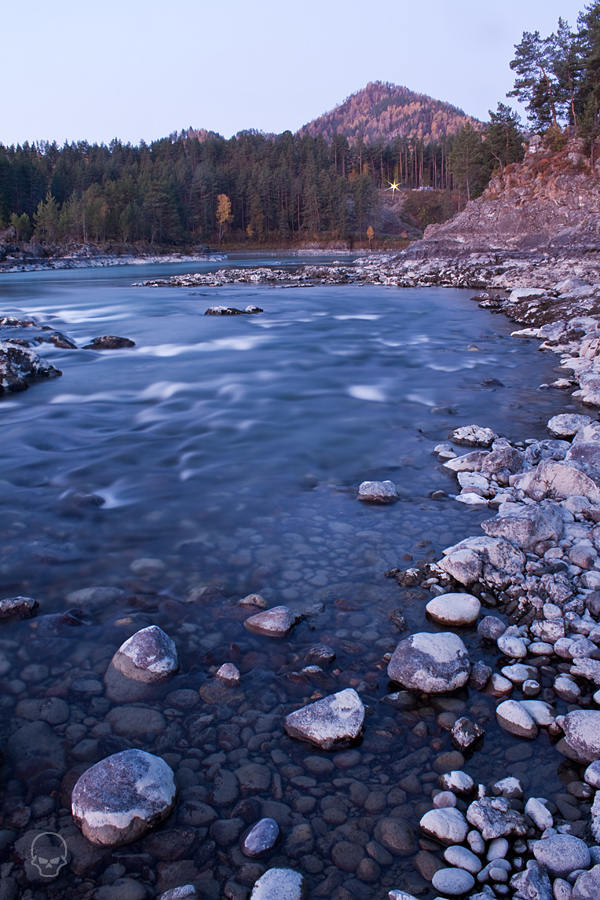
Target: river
x,y
226,453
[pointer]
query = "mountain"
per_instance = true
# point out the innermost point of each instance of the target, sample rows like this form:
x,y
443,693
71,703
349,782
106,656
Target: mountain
x,y
384,111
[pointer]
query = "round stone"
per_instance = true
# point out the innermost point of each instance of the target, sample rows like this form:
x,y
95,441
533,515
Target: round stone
x,y
448,826
261,838
516,720
453,882
462,858
432,663
396,835
561,854
454,609
122,797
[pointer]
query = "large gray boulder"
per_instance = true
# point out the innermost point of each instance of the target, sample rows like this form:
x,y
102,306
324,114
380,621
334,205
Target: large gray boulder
x,y
559,480
279,884
332,722
561,854
432,663
488,559
582,734
122,797
526,525
149,655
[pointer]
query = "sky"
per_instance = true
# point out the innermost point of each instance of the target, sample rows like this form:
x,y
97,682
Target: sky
x,y
143,69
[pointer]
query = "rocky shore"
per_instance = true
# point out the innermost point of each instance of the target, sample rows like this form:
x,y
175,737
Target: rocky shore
x,y
37,257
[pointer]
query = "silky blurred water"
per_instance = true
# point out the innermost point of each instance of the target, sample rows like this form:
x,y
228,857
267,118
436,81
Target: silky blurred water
x,y
228,450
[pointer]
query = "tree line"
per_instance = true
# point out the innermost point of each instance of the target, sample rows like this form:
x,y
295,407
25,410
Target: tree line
x,y
197,187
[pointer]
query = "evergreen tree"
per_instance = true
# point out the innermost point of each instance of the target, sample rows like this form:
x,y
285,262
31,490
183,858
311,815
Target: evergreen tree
x,y
503,136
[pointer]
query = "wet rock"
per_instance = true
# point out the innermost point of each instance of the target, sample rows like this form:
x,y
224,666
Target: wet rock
x,y
149,656
185,892
320,655
260,838
378,492
229,675
491,628
587,886
34,748
454,609
458,782
136,721
109,342
395,835
516,720
592,774
453,882
567,425
532,884
582,734
276,622
18,608
512,646
494,818
447,825
558,480
480,675
253,600
279,884
473,436
462,858
489,559
526,525
253,778
432,663
97,596
18,365
561,854
329,723
539,814
122,797
465,734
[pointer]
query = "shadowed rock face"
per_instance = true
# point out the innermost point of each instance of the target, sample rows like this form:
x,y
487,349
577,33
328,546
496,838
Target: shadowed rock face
x,y
549,201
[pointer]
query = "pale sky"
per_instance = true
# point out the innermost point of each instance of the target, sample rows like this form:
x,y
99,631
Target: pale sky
x,y
141,69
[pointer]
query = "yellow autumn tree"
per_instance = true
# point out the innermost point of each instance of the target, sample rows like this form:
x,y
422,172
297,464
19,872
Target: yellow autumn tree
x,y
224,215
370,234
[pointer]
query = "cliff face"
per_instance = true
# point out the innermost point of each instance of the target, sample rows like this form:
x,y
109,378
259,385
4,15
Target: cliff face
x,y
549,202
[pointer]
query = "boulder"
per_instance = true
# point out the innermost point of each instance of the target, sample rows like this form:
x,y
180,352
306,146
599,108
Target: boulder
x,y
487,559
512,717
526,525
561,854
446,825
279,884
330,723
378,492
18,608
473,436
122,797
582,734
276,622
559,480
109,342
432,663
494,818
18,365
149,656
454,609
567,425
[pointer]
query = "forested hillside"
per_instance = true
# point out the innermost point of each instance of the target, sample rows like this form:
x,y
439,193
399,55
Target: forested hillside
x,y
384,111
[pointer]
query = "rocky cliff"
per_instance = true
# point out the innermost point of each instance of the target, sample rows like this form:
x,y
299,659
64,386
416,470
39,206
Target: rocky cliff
x,y
549,202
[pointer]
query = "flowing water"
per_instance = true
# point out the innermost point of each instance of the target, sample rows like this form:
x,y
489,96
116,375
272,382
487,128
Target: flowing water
x,y
226,453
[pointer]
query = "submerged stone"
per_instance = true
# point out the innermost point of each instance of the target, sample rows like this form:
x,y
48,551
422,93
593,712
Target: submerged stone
x,y
330,723
276,622
279,884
